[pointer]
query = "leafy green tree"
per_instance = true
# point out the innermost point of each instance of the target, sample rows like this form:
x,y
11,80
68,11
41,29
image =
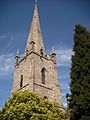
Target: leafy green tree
x,y
80,75
24,105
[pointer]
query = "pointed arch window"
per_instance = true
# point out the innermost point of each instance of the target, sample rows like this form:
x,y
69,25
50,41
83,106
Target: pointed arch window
x,y
43,75
21,81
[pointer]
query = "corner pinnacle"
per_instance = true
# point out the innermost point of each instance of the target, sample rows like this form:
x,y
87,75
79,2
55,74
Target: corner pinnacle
x,y
17,52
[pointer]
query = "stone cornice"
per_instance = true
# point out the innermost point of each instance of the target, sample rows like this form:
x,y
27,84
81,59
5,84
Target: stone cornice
x,y
41,56
23,86
42,85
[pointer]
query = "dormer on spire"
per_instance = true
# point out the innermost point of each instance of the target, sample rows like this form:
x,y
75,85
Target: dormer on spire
x,y
35,34
32,45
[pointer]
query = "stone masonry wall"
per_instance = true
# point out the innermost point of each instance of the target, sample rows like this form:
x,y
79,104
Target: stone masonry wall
x,y
31,68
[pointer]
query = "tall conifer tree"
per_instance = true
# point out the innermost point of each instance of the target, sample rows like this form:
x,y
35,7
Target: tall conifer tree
x,y
80,75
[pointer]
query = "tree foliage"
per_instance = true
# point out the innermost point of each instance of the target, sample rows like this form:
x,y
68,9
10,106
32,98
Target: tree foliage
x,y
24,105
80,75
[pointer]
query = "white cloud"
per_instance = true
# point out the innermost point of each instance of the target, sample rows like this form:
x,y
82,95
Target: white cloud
x,y
64,94
6,64
3,36
65,104
63,57
64,100
64,76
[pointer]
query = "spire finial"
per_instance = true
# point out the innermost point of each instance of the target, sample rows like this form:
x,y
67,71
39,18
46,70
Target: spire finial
x,y
35,1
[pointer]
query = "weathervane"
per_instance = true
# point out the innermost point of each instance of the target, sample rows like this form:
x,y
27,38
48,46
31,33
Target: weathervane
x,y
35,1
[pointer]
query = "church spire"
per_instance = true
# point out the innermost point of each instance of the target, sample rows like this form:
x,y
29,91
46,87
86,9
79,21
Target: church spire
x,y
35,34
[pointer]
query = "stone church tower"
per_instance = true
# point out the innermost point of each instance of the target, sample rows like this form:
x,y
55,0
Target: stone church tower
x,y
37,70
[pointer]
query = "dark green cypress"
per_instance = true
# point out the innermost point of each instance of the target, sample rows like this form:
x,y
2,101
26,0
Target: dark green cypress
x,y
80,75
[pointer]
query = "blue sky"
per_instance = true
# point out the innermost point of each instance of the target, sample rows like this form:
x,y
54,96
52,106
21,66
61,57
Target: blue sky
x,y
57,18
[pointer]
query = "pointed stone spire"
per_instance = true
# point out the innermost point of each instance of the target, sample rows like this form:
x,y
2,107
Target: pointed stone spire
x,y
35,34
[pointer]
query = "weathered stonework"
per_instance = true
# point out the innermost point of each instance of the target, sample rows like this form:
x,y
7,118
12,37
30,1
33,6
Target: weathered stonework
x,y
30,67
